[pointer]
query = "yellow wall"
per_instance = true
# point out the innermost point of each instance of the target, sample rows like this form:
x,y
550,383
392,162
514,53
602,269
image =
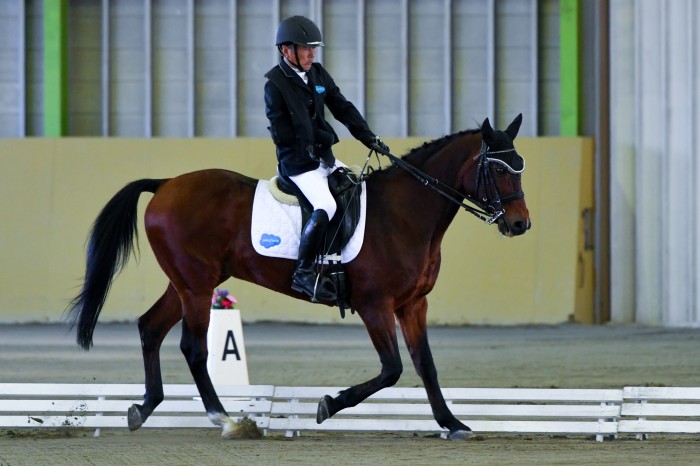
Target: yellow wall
x,y
52,189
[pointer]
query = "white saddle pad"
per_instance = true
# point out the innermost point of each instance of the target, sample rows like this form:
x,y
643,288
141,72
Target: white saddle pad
x,y
276,226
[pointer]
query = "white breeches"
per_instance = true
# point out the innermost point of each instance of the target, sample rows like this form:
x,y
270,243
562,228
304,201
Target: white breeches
x,y
314,185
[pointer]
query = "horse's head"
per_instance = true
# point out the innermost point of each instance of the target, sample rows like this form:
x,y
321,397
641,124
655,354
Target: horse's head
x,y
498,188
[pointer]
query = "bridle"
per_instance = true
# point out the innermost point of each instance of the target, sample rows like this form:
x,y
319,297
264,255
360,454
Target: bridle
x,y
489,207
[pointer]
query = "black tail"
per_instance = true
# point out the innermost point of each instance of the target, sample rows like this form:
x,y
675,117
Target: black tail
x,y
109,246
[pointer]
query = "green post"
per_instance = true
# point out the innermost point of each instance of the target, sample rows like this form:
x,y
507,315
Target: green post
x,y
55,68
570,66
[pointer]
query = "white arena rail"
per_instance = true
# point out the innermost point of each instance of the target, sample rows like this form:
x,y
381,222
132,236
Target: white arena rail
x,y
95,406
484,410
603,413
660,410
293,409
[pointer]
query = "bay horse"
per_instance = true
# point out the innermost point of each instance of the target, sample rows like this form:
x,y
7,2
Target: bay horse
x,y
198,225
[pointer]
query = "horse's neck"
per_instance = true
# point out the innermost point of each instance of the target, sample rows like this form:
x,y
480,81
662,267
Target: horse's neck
x,y
429,212
452,162
448,166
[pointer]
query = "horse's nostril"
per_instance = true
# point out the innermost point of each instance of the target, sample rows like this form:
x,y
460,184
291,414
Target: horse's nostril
x,y
520,227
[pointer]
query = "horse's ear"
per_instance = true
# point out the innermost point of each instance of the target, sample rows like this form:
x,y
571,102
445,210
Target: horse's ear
x,y
514,127
487,132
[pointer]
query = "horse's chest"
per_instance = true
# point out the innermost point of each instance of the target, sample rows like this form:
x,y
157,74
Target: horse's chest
x,y
429,276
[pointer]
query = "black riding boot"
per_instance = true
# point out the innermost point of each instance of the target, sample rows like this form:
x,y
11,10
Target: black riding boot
x,y
305,277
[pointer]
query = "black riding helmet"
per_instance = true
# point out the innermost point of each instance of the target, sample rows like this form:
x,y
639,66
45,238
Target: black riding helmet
x,y
298,30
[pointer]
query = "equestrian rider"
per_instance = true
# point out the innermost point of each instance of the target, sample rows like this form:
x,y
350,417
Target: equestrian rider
x,y
296,91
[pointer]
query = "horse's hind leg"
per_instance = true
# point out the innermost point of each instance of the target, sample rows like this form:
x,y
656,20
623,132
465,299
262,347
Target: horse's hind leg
x,y
382,331
413,325
154,325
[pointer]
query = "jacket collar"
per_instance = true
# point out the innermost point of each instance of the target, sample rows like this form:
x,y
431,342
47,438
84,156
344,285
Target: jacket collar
x,y
286,69
290,73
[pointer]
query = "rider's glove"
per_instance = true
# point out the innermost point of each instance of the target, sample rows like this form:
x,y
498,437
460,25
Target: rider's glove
x,y
377,144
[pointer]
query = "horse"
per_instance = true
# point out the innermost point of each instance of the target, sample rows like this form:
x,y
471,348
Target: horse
x,y
198,225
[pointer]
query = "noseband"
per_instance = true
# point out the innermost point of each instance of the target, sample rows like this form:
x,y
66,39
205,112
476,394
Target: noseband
x,y
489,207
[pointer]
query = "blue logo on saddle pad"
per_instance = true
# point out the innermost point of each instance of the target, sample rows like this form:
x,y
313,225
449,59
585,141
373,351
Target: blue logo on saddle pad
x,y
320,89
267,241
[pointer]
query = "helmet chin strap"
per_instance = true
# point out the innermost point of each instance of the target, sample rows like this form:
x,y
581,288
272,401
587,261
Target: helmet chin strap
x,y
298,65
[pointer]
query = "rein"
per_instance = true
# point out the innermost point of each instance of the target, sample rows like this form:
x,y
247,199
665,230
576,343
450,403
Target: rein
x,y
487,210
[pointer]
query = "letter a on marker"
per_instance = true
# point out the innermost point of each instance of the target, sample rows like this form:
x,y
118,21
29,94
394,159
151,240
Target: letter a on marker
x,y
230,350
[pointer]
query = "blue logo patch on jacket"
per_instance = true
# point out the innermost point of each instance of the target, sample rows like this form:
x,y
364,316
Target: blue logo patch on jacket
x,y
320,89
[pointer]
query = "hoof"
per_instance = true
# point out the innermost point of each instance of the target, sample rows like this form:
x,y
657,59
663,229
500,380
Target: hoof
x,y
324,409
230,429
134,417
460,435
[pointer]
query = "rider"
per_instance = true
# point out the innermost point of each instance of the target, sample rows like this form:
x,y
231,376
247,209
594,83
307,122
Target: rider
x,y
296,91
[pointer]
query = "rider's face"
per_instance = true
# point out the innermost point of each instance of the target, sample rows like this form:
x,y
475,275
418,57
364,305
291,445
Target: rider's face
x,y
306,55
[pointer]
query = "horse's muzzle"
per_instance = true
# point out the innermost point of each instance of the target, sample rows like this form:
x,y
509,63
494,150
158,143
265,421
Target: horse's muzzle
x,y
515,228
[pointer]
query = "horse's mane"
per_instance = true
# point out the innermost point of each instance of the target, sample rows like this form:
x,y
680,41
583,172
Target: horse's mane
x,y
436,144
430,147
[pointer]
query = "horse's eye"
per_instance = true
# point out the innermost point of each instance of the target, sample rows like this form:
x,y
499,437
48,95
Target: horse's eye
x,y
500,170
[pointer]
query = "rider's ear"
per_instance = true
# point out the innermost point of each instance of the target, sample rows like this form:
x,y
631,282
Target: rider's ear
x,y
487,132
514,127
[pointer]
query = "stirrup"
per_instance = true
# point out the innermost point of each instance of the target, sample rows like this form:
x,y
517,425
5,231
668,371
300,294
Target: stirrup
x,y
318,292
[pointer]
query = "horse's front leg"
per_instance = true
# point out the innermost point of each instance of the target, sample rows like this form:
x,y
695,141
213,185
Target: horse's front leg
x,y
382,331
412,319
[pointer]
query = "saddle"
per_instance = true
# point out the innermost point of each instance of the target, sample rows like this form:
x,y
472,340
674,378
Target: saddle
x,y
345,187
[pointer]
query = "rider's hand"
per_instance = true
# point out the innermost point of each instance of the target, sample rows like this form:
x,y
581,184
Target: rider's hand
x,y
378,145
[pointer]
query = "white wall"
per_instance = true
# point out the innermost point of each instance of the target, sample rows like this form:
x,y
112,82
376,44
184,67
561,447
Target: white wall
x,y
655,207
